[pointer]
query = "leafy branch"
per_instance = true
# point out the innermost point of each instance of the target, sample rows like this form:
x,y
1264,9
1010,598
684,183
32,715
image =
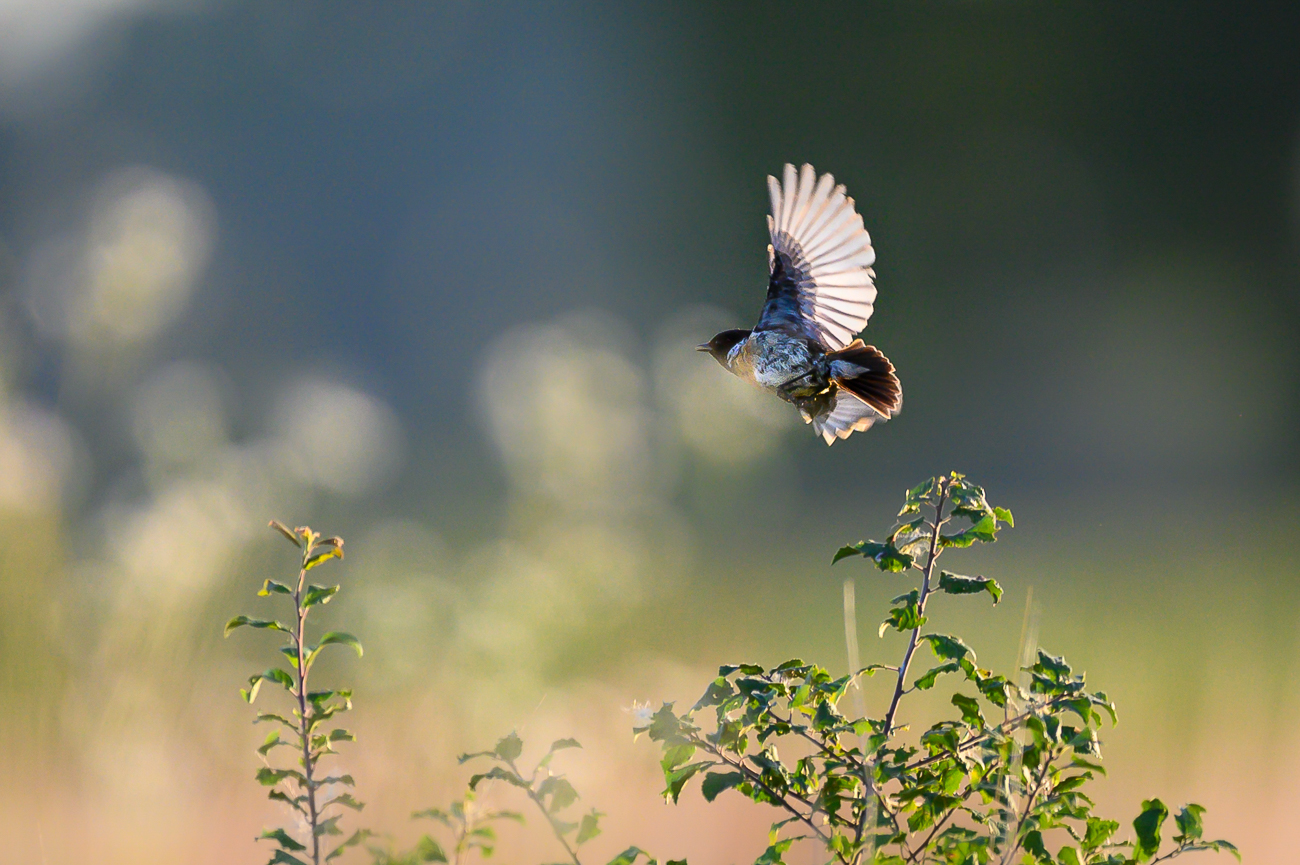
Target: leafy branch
x,y
303,789
964,790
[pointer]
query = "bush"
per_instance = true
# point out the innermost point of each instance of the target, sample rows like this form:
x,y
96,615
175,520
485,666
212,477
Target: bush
x,y
1003,780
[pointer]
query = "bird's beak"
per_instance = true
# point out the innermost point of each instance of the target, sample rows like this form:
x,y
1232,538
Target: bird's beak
x,y
704,346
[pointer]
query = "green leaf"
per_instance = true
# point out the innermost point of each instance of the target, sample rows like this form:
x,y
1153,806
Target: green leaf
x,y
1147,826
956,584
268,777
846,552
561,792
328,826
332,638
275,674
628,856
1189,823
677,779
428,850
497,773
294,802
284,530
272,740
245,621
353,840
948,648
886,556
285,859
970,710
589,828
561,744
676,755
509,747
926,680
282,838
322,557
1005,516
1033,844
1098,832
916,496
984,531
346,800
716,782
906,617
1069,856
318,595
271,586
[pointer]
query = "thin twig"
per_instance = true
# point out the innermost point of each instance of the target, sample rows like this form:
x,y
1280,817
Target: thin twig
x,y
537,800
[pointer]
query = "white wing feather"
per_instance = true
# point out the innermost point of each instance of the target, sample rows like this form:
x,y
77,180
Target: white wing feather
x,y
814,224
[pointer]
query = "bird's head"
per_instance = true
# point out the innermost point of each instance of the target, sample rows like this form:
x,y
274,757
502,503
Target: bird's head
x,y
722,344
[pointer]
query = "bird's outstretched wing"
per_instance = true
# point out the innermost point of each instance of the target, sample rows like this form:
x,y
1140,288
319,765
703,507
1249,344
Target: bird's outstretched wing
x,y
821,284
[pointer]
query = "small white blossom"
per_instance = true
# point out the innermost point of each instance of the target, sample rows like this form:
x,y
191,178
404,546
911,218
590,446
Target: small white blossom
x,y
642,714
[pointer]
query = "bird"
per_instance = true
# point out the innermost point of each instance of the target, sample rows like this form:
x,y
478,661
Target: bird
x,y
820,293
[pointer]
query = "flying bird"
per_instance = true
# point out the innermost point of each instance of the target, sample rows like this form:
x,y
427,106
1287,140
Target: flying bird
x,y
819,296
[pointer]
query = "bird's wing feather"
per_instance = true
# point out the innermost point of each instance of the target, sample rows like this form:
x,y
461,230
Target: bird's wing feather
x,y
847,415
821,285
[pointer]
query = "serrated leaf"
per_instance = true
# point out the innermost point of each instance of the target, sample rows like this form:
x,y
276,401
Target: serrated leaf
x,y
985,530
956,584
497,773
347,800
948,648
970,710
1189,823
1147,826
926,680
716,782
677,779
509,747
282,838
628,856
560,791
245,621
589,828
353,840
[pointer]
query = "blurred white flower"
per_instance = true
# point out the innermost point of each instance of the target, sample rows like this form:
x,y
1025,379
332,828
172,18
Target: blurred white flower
x,y
642,714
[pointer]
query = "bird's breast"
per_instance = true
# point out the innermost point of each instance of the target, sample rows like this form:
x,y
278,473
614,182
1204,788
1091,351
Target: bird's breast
x,y
775,362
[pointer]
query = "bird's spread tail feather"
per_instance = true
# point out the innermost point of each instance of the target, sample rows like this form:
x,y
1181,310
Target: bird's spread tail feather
x,y
867,391
867,374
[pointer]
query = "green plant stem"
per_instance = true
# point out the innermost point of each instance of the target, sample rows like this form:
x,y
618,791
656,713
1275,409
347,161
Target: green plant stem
x,y
913,640
778,798
541,806
304,728
1043,772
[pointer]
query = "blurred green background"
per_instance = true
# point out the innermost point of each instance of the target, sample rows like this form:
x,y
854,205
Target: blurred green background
x,y
427,275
